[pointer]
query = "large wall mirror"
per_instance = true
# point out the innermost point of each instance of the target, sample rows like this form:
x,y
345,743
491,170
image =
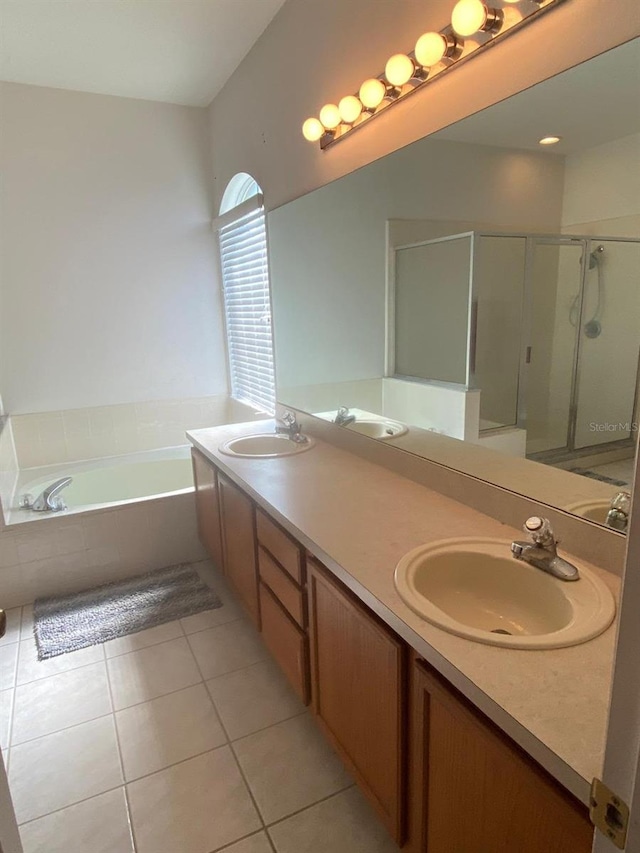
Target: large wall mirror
x,y
475,297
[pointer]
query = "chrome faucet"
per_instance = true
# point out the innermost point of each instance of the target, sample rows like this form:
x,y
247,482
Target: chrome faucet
x,y
344,417
618,515
49,500
288,425
542,552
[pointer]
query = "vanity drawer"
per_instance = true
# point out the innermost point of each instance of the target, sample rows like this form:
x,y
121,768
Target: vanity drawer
x,y
286,642
280,545
282,586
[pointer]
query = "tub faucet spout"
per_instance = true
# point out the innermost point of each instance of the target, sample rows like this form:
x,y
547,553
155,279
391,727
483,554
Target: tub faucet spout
x,y
49,500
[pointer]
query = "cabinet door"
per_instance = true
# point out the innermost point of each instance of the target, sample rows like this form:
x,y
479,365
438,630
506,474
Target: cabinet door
x,y
357,668
477,791
207,506
239,544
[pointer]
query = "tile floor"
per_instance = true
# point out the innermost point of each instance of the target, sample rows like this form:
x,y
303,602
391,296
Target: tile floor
x,y
181,739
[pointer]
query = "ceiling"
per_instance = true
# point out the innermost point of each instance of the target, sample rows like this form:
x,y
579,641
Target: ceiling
x,y
588,105
179,51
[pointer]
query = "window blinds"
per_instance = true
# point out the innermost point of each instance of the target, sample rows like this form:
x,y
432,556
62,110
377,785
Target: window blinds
x,y
245,279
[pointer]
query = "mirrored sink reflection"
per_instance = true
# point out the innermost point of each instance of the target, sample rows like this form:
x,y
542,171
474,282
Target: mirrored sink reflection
x,y
379,428
476,589
265,446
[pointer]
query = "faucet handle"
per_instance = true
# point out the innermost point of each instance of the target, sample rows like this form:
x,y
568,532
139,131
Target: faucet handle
x,y
622,502
288,418
540,531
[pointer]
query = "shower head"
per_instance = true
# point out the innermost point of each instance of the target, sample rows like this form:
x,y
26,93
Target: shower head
x,y
594,260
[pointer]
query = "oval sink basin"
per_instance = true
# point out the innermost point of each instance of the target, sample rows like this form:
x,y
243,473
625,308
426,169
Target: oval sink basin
x,y
264,446
378,429
476,589
592,510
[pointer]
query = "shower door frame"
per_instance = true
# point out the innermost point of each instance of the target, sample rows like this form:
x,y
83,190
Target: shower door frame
x,y
569,449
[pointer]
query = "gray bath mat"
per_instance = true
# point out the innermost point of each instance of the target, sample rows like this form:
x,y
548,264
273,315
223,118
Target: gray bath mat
x,y
71,622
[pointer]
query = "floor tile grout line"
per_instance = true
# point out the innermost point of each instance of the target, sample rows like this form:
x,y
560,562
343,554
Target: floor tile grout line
x,y
71,805
310,806
53,674
121,761
59,731
233,753
244,838
124,785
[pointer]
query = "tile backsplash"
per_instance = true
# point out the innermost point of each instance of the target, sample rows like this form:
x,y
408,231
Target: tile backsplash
x,y
49,438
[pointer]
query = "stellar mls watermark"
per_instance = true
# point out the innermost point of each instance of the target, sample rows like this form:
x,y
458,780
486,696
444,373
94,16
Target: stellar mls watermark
x,y
605,426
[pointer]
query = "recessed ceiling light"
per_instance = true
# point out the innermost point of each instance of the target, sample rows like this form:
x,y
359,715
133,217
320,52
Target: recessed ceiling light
x,y
550,140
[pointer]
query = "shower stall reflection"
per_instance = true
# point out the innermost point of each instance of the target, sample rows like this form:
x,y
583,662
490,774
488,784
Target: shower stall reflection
x,y
544,326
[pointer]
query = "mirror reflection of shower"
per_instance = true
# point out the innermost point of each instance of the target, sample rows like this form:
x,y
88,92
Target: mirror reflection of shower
x,y
593,327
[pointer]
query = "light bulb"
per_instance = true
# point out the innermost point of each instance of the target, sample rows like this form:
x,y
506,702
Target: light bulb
x,y
470,16
330,116
399,69
549,140
349,109
372,93
430,49
312,129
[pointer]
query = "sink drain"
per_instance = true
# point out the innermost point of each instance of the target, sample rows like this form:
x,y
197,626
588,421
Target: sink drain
x,y
501,631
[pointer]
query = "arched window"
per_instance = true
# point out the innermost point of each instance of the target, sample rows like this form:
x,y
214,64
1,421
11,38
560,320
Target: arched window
x,y
247,299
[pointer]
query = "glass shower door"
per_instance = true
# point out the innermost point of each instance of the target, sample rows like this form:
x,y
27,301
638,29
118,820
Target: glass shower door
x,y
551,341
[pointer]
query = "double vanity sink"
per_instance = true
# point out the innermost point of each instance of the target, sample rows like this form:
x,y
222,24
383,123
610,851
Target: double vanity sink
x,y
474,587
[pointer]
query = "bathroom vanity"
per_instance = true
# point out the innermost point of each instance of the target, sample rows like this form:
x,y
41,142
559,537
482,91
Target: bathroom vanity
x,y
456,744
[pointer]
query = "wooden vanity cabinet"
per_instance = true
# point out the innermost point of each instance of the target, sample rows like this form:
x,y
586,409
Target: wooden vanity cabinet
x,y
442,777
358,671
237,522
207,506
474,790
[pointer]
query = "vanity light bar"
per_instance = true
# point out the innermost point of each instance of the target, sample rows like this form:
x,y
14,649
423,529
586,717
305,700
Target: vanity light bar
x,y
475,26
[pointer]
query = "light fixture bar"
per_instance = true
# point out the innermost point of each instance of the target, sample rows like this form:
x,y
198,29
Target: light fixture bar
x,y
487,24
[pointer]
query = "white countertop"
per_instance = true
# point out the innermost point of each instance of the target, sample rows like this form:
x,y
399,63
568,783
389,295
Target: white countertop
x,y
359,519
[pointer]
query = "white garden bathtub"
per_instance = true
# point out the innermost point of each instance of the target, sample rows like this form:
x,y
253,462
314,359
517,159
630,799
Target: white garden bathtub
x,y
108,482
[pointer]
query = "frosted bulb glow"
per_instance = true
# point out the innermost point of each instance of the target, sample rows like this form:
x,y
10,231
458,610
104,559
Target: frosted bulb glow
x,y
430,49
349,109
399,69
312,129
372,93
468,17
550,140
330,116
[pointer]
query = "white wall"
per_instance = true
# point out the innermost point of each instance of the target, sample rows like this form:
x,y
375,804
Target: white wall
x,y
602,185
108,275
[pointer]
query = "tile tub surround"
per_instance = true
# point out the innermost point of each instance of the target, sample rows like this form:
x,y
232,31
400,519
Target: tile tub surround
x,y
49,438
359,519
186,769
60,554
8,463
